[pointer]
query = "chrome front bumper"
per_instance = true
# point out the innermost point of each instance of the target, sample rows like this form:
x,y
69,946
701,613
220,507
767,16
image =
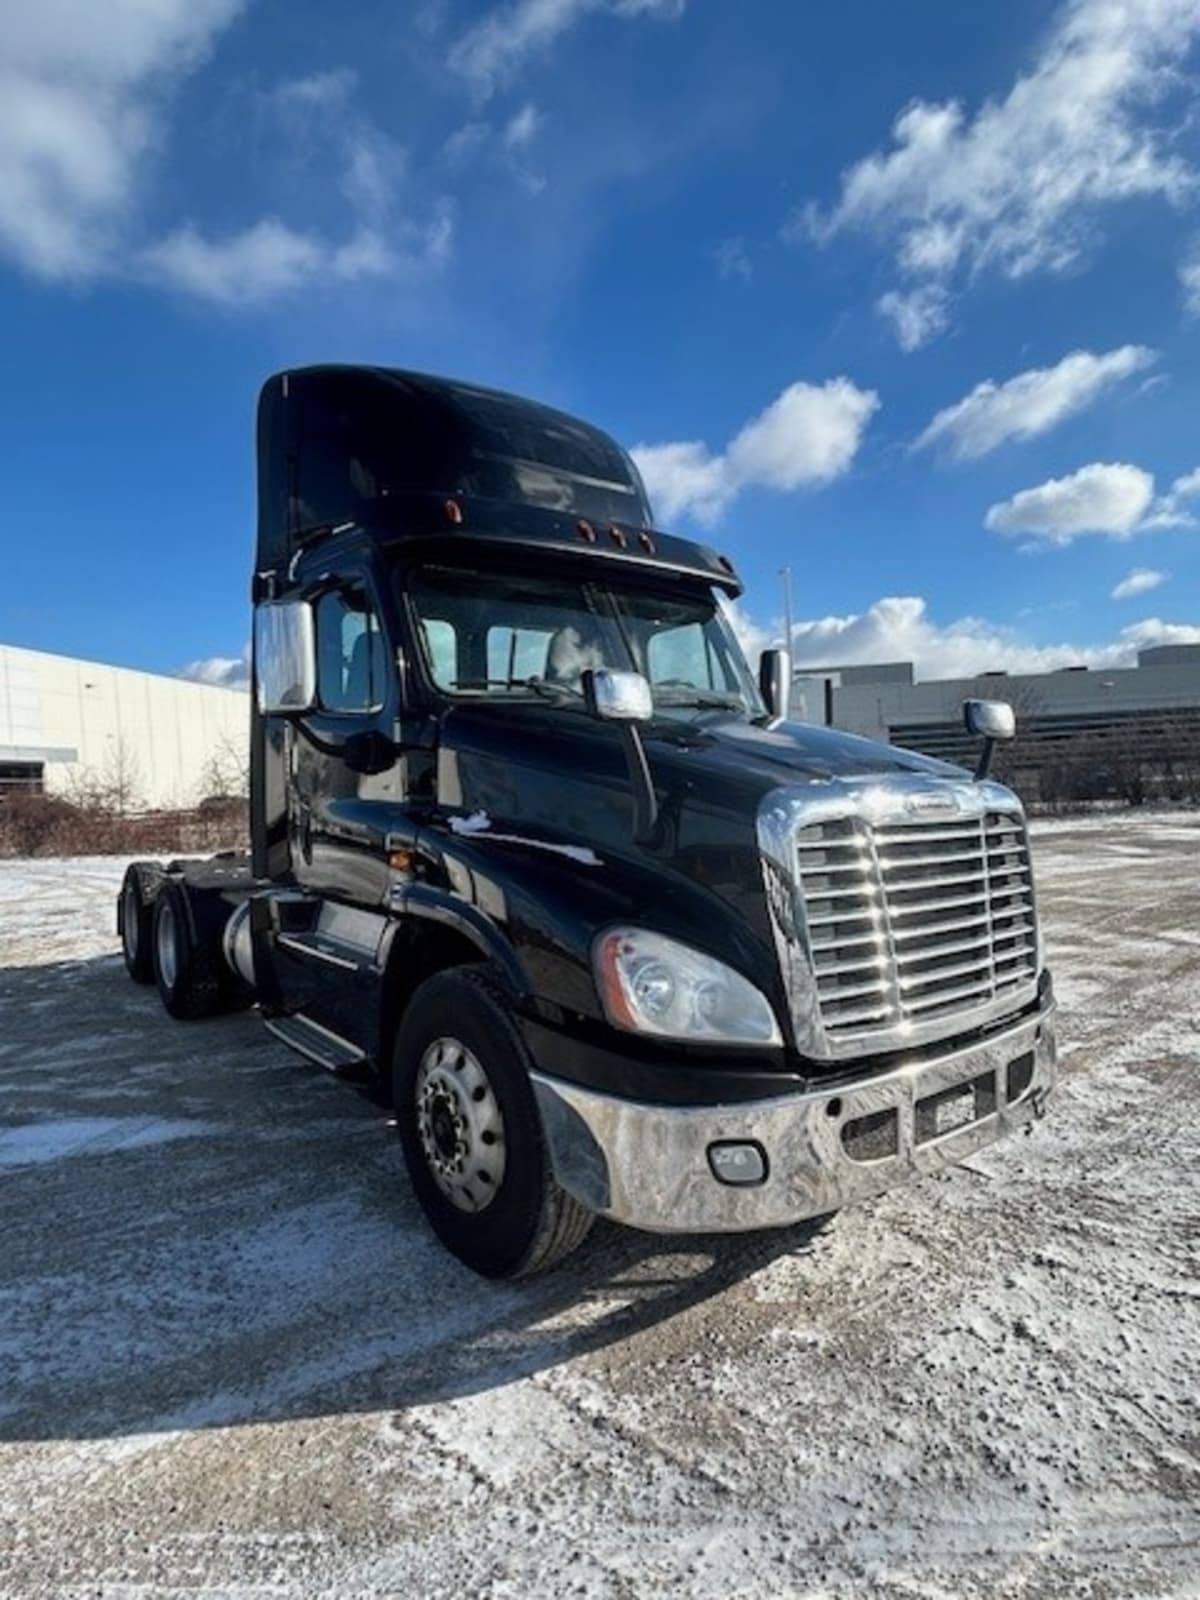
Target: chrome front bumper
x,y
649,1165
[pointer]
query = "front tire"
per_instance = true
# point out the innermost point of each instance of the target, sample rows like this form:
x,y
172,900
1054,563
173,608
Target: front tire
x,y
471,1132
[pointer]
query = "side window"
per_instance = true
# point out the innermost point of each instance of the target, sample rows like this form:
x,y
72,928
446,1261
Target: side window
x,y
351,657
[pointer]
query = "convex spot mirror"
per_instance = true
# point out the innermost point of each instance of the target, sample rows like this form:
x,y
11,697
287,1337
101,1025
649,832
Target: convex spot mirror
x,y
617,696
285,657
989,719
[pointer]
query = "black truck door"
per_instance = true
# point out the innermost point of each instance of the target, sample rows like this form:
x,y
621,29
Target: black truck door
x,y
346,780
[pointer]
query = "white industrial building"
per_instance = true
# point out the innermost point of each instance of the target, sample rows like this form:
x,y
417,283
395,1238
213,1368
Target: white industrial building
x,y
69,726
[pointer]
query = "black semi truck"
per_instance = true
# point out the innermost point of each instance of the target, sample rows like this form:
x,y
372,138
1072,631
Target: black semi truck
x,y
531,842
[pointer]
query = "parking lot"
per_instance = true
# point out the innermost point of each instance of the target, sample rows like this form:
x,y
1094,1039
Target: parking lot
x,y
234,1362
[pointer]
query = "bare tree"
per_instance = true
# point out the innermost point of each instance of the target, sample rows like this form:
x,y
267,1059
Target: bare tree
x,y
226,773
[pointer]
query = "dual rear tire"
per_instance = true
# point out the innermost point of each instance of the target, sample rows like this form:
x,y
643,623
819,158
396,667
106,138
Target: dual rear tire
x,y
137,921
161,945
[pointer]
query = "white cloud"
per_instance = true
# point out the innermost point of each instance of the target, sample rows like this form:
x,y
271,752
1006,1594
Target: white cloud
x,y
270,259
493,51
226,672
733,259
917,316
1140,580
522,127
84,90
316,91
807,436
81,89
1170,510
1106,497
1189,278
1017,186
257,264
1031,403
1110,498
466,142
899,628
684,479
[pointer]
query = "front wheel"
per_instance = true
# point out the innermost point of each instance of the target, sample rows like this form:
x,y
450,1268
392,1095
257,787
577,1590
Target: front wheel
x,y
471,1132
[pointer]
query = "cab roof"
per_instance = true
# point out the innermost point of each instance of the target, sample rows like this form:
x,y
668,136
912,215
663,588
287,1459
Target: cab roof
x,y
403,454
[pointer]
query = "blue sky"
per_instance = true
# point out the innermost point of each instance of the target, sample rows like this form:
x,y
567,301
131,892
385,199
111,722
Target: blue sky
x,y
907,297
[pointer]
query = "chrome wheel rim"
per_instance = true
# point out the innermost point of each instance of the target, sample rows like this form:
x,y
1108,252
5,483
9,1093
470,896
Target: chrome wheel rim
x,y
164,940
130,928
460,1125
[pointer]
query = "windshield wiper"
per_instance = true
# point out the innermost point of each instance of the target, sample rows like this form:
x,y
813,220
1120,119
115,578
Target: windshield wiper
x,y
558,692
699,699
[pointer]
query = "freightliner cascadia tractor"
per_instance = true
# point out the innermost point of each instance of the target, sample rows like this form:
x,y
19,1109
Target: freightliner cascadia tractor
x,y
532,843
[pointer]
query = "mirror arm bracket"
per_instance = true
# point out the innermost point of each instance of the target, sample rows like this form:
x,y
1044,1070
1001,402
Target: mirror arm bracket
x,y
645,801
984,765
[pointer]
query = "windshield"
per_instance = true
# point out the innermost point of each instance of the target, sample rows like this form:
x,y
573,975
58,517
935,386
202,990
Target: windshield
x,y
509,635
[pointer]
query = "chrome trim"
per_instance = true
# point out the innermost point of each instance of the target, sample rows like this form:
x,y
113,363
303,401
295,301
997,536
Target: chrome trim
x,y
648,1166
237,943
352,926
945,806
303,947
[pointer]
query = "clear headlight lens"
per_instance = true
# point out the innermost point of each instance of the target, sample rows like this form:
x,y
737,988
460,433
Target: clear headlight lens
x,y
651,984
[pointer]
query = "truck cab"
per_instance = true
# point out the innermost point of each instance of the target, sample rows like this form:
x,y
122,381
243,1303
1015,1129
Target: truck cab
x,y
532,842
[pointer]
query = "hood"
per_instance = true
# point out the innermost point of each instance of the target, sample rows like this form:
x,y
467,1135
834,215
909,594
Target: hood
x,y
543,775
785,752
547,764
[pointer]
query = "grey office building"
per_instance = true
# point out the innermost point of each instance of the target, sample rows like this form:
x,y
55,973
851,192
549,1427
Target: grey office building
x,y
1147,716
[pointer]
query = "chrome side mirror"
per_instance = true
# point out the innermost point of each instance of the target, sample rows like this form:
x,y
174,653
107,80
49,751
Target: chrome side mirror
x,y
285,657
775,682
617,696
988,720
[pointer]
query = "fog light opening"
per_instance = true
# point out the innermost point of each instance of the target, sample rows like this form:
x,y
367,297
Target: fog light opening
x,y
742,1164
833,1108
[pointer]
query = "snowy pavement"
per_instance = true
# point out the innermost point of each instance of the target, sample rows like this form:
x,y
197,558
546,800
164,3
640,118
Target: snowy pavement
x,y
233,1362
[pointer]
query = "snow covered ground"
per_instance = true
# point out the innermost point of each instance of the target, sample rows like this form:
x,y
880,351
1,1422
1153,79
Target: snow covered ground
x,y
233,1362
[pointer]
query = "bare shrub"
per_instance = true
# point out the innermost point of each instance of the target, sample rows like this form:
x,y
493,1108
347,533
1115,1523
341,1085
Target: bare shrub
x,y
48,825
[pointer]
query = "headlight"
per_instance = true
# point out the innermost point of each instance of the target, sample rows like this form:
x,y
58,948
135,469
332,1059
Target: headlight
x,y
651,984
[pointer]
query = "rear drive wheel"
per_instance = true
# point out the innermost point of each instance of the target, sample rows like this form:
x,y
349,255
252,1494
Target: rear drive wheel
x,y
471,1132
190,976
137,919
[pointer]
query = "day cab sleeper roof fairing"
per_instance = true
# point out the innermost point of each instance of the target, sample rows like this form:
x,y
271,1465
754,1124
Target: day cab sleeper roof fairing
x,y
405,455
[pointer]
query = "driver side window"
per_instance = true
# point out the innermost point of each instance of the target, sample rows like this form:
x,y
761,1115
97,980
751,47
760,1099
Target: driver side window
x,y
351,655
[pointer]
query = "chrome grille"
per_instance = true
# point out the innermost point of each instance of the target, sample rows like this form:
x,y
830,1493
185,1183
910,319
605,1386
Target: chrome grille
x,y
911,922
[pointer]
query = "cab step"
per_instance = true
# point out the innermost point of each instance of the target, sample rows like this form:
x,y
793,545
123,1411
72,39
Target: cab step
x,y
318,1043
